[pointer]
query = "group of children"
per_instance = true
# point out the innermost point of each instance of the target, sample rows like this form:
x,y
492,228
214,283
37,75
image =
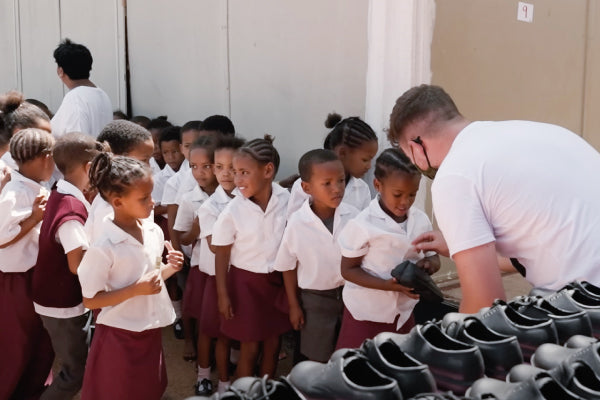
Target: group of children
x,y
262,259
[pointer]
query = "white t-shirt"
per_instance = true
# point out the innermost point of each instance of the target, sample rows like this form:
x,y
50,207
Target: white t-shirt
x,y
185,219
308,244
84,109
357,194
71,235
16,201
118,260
532,188
383,243
255,234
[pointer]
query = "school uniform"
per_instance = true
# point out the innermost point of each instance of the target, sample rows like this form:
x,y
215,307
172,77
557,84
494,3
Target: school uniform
x,y
26,354
154,166
357,194
383,243
126,357
194,286
253,286
160,179
56,290
208,318
174,184
309,247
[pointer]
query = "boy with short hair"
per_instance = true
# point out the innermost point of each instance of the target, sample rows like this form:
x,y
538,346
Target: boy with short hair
x,y
169,144
317,308
55,286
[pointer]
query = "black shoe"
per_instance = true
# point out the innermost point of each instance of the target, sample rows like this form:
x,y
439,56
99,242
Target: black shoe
x,y
567,323
579,341
577,300
204,387
268,389
443,396
586,287
530,332
542,387
548,357
522,372
500,352
178,329
348,375
412,276
455,365
413,377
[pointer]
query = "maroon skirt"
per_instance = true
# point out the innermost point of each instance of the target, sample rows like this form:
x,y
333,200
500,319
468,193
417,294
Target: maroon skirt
x,y
256,313
354,332
194,293
125,365
210,321
26,353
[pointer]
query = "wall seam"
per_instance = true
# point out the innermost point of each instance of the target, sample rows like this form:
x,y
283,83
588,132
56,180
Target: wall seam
x,y
586,50
228,62
18,53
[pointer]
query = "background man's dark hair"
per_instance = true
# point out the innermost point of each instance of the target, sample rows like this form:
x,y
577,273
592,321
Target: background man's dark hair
x,y
75,59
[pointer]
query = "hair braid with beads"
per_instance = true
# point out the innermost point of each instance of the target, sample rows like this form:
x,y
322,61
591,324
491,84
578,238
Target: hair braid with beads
x,y
112,174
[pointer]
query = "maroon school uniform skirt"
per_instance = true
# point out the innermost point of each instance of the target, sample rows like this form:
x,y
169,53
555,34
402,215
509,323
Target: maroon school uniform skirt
x,y
26,353
354,332
210,321
257,310
194,293
124,364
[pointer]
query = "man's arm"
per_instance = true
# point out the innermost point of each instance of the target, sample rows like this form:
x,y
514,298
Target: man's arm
x,y
479,277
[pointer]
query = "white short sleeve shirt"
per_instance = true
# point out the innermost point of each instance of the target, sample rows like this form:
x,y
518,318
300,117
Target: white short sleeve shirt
x,y
186,214
309,245
160,179
84,109
383,243
255,234
118,260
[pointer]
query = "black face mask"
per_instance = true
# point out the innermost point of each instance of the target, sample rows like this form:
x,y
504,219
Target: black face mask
x,y
430,171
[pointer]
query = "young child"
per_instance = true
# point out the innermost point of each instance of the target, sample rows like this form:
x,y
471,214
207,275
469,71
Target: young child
x,y
206,299
310,243
186,227
122,274
25,348
355,143
169,144
56,290
246,237
372,244
156,126
124,138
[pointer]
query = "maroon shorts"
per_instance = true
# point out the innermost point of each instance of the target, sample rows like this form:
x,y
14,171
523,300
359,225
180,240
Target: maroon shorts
x,y
26,354
354,332
255,301
193,294
125,365
210,321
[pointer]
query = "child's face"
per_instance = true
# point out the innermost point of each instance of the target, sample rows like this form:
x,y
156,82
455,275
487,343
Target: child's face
x,y
142,151
250,177
327,184
398,191
202,168
157,154
357,161
187,138
223,168
137,201
171,154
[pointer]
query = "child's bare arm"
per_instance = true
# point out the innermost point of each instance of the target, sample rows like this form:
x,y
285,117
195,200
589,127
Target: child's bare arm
x,y
290,281
222,256
191,235
37,214
148,284
74,258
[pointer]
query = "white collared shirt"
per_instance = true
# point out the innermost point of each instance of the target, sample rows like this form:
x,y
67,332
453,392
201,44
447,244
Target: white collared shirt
x,y
255,235
383,243
160,179
154,166
357,194
71,235
185,217
207,214
174,184
308,244
16,201
118,260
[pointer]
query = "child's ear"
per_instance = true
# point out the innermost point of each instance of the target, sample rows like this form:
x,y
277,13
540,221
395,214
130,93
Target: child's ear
x,y
87,167
269,170
305,187
116,202
377,184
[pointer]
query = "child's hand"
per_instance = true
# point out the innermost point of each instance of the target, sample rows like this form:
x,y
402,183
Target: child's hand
x,y
225,307
174,257
38,207
428,266
396,287
296,318
149,283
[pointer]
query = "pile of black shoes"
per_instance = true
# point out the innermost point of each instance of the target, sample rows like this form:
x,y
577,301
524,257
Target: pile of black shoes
x,y
463,356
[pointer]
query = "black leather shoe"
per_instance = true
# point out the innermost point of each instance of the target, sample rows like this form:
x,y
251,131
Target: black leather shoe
x,y
548,357
348,375
268,389
455,365
567,323
586,287
443,396
413,377
530,332
411,275
522,372
542,387
577,300
580,341
500,352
